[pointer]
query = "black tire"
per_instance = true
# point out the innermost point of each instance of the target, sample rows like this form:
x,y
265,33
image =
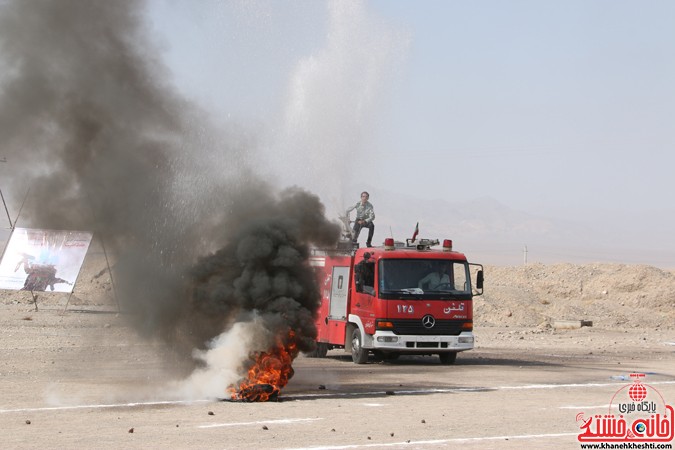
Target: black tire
x,y
447,358
320,351
359,354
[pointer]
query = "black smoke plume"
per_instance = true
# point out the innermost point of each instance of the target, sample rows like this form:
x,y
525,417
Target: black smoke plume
x,y
263,267
90,122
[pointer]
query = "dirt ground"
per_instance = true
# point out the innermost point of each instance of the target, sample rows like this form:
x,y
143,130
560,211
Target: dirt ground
x,y
80,377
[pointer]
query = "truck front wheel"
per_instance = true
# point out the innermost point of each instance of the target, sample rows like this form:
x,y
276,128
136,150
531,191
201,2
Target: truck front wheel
x,y
359,354
447,359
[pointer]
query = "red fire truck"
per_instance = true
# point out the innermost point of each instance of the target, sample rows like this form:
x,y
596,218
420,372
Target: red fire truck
x,y
402,298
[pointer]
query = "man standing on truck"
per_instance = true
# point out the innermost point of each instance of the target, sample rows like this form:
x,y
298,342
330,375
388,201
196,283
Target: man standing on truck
x,y
365,214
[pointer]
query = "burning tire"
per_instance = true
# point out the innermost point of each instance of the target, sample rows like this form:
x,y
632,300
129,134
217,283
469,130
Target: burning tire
x,y
447,359
359,354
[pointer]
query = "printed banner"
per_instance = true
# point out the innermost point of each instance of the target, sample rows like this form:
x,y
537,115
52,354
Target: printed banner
x,y
43,260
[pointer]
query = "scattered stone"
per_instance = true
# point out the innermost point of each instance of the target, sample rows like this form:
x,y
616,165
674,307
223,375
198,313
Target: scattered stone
x,y
332,429
211,413
391,434
424,421
131,430
322,387
571,324
264,427
27,422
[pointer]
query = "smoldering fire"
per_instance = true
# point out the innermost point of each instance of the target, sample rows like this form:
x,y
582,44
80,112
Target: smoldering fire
x,y
264,268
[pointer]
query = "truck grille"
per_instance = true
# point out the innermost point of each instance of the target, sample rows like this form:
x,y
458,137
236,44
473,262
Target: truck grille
x,y
441,328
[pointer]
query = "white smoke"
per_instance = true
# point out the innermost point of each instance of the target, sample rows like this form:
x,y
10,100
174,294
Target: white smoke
x,y
334,99
223,360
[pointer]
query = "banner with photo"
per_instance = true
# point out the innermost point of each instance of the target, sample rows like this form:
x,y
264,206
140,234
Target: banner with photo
x,y
43,260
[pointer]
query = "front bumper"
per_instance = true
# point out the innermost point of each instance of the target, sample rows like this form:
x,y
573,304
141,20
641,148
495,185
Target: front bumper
x,y
387,340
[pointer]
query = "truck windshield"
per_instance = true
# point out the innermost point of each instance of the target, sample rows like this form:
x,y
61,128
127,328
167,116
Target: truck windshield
x,y
424,278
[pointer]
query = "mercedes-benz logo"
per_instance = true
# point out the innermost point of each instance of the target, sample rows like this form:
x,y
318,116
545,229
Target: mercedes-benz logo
x,y
428,321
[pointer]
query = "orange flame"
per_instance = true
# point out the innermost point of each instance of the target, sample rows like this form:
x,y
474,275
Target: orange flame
x,y
269,372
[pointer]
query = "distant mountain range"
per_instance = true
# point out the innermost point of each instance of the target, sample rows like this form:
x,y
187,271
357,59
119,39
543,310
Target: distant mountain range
x,y
492,233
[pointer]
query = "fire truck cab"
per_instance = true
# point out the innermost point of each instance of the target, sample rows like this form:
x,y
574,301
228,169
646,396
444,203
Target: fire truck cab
x,y
401,298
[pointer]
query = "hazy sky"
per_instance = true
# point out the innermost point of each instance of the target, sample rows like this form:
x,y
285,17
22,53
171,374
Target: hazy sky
x,y
555,108
544,105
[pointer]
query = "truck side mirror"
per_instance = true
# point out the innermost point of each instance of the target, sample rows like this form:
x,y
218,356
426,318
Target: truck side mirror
x,y
479,280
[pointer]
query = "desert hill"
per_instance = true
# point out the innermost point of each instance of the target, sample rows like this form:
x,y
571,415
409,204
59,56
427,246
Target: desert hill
x,y
609,295
533,295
